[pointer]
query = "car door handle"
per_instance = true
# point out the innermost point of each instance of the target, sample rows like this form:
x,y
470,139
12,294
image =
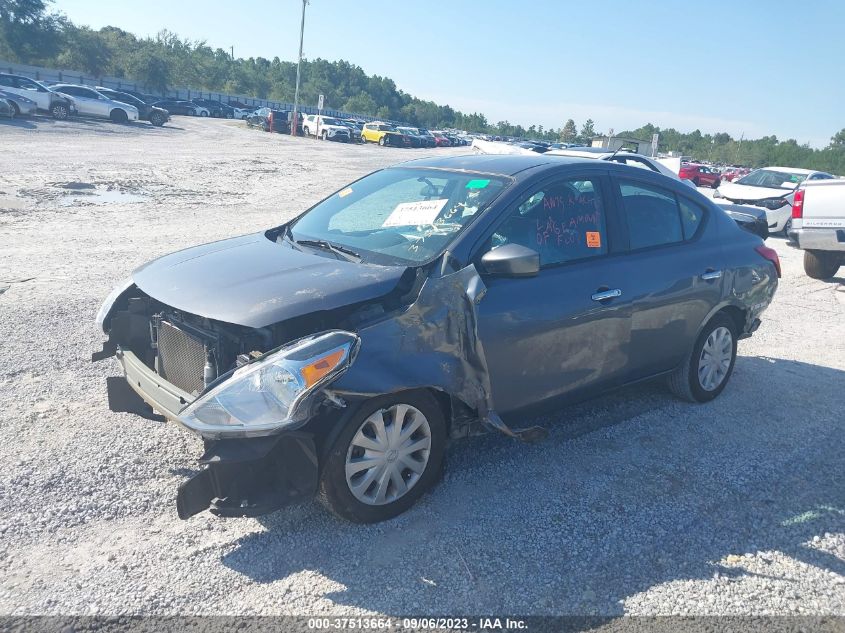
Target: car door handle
x,y
604,295
711,274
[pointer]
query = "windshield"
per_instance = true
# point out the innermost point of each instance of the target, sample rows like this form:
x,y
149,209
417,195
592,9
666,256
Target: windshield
x,y
399,215
772,179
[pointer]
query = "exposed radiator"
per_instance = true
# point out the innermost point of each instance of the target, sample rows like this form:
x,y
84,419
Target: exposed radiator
x,y
181,358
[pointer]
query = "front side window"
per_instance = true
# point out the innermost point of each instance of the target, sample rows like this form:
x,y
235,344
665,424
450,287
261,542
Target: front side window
x,y
652,215
563,221
400,215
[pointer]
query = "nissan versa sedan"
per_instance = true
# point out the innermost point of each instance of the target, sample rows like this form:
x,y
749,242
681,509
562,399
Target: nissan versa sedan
x,y
339,352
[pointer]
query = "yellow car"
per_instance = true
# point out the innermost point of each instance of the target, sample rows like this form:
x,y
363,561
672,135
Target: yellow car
x,y
383,134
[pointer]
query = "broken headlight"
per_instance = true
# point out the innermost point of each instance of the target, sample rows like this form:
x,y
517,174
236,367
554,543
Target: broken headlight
x,y
266,395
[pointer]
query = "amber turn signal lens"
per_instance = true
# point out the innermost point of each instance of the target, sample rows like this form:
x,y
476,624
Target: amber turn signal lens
x,y
313,372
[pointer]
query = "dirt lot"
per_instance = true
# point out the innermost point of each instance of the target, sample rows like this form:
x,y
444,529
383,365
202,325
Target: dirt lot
x,y
636,503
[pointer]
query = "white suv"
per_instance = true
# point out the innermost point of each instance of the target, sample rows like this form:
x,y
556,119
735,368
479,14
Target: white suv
x,y
89,102
326,127
46,100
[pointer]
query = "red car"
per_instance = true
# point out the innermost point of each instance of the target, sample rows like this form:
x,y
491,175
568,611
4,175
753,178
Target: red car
x,y
701,175
441,140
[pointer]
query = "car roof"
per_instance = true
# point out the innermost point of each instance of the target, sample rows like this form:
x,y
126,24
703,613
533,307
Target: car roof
x,y
502,164
794,170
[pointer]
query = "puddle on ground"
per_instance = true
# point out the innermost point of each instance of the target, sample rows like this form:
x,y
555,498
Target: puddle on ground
x,y
97,195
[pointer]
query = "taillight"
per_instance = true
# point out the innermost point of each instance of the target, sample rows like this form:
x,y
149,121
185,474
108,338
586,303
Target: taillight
x,y
770,254
798,204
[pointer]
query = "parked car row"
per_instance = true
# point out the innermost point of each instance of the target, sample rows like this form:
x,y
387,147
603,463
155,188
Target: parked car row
x,y
26,97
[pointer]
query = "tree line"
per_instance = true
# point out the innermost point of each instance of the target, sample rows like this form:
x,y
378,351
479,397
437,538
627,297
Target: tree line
x,y
30,33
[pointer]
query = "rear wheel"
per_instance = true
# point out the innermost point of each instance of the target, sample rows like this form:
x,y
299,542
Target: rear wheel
x,y
821,265
203,113
157,119
708,368
118,116
382,141
695,181
16,111
716,184
325,135
388,454
787,226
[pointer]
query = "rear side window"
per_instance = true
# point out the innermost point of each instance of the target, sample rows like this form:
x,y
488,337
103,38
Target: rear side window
x,y
652,214
692,216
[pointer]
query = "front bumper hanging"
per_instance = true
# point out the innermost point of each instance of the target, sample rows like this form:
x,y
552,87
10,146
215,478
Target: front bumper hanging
x,y
251,476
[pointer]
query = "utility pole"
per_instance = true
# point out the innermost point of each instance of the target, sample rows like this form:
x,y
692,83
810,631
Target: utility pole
x,y
233,53
298,67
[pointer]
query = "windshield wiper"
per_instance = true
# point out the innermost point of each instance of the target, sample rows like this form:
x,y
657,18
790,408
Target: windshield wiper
x,y
346,253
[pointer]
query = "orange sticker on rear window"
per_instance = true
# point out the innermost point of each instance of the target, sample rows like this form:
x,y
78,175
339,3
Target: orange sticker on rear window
x,y
593,239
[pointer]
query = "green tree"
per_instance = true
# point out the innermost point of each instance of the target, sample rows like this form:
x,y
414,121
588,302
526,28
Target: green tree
x,y
569,132
85,50
361,103
29,34
588,130
837,141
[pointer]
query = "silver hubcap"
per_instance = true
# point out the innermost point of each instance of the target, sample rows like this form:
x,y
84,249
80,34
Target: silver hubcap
x,y
715,358
388,455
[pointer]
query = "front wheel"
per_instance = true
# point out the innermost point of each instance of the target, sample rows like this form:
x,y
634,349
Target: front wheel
x,y
118,116
157,119
59,111
325,135
203,113
716,184
382,141
821,265
709,367
388,454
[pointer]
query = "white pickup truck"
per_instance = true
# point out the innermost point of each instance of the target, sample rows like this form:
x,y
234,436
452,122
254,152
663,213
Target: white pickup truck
x,y
818,226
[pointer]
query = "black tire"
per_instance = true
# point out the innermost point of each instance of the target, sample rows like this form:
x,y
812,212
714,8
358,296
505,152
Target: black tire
x,y
695,181
157,119
118,116
59,111
325,135
203,113
685,382
786,227
716,184
334,491
821,265
16,111
363,140
230,115
382,140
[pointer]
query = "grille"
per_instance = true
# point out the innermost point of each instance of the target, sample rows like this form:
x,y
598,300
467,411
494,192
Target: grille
x,y
181,358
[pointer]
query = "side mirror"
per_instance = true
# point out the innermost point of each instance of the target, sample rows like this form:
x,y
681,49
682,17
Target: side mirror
x,y
511,260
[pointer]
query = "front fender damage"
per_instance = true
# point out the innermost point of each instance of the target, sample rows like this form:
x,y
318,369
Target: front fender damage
x,y
433,344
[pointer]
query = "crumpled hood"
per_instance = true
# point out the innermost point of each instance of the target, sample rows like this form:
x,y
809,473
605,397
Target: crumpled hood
x,y
745,192
256,282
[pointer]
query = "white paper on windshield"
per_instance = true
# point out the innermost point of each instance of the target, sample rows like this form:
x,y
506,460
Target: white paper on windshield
x,y
415,213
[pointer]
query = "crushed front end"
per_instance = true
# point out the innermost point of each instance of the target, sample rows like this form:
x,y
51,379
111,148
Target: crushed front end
x,y
244,393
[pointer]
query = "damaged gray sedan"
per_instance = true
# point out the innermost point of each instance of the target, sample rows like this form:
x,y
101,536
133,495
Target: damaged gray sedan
x,y
338,353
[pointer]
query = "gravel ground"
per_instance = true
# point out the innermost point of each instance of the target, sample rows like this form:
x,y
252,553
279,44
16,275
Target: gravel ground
x,y
636,503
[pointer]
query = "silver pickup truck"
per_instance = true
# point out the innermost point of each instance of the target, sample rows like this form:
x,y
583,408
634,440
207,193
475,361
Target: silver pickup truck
x,y
818,226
